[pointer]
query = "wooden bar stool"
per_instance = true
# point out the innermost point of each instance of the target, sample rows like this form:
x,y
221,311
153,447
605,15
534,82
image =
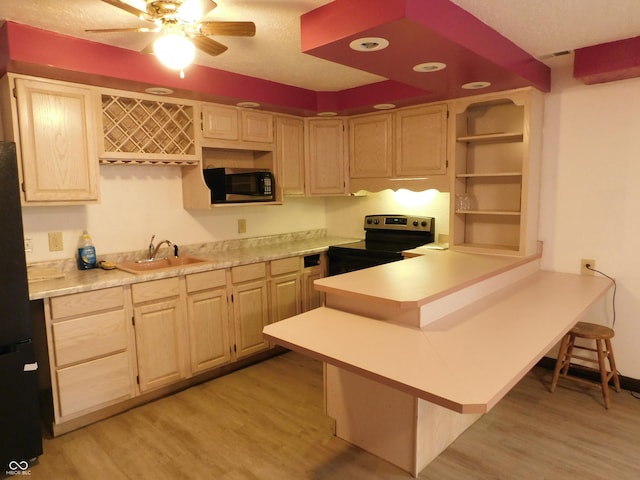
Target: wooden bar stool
x,y
602,336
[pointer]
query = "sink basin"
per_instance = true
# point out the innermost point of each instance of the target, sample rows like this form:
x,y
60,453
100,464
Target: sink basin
x,y
145,266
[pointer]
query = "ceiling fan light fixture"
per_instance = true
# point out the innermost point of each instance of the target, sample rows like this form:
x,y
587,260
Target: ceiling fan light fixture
x,y
175,51
190,11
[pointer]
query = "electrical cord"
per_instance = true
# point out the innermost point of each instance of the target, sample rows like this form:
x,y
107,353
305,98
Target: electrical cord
x,y
615,287
613,301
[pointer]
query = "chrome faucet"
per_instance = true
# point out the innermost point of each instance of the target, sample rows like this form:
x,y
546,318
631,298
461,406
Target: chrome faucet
x,y
153,250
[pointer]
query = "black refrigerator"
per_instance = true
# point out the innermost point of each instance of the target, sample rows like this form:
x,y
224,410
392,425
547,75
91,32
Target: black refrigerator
x,y
20,431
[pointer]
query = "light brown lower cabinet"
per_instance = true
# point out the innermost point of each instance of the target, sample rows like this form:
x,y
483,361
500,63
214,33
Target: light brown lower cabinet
x,y
111,348
250,308
160,332
90,353
208,320
312,298
285,288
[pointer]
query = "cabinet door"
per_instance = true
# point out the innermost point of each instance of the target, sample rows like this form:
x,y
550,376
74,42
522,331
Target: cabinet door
x,y
286,299
220,122
256,126
325,157
207,314
160,344
421,141
92,385
251,315
371,146
58,142
290,154
311,298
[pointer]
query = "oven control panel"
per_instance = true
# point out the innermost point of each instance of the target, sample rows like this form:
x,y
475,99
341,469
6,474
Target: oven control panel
x,y
399,222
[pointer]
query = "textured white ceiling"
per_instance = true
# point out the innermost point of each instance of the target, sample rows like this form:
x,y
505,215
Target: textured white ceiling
x,y
540,27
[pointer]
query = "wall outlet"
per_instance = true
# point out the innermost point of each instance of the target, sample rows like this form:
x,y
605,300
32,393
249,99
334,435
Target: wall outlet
x,y
28,244
583,266
55,242
242,225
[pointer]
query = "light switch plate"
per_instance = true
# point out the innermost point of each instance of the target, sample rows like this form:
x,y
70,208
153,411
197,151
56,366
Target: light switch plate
x,y
242,225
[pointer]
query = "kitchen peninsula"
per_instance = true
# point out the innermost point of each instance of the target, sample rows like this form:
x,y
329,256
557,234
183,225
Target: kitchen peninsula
x,y
416,351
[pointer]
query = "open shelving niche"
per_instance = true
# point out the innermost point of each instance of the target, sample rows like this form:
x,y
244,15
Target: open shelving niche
x,y
195,192
496,145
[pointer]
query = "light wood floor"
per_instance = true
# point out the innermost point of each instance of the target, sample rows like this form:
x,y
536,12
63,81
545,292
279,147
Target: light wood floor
x,y
266,422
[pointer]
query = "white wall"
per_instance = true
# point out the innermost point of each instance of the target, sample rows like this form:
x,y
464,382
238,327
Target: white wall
x,y
590,196
345,215
139,201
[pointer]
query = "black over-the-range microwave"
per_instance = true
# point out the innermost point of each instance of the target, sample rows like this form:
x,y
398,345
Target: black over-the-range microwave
x,y
229,185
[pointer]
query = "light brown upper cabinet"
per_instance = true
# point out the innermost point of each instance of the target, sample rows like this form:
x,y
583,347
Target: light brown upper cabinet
x,y
54,125
325,164
371,146
232,124
290,154
402,149
496,140
421,141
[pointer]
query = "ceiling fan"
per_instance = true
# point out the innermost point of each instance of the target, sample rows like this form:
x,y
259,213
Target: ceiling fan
x,y
179,20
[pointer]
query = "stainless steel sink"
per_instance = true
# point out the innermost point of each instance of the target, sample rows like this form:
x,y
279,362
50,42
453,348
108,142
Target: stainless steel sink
x,y
146,266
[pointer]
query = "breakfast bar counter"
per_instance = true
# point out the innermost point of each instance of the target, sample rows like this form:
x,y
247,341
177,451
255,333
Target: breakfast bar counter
x,y
409,369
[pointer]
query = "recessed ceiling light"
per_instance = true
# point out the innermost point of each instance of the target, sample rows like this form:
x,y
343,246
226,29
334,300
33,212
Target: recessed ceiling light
x,y
159,91
429,67
369,44
327,114
384,106
475,85
248,104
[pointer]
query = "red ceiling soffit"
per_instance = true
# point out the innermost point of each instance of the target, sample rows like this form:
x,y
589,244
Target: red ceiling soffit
x,y
421,31
25,49
608,62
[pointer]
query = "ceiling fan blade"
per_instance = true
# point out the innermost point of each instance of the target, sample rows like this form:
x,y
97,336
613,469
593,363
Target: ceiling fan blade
x,y
236,29
208,46
148,49
207,6
127,8
114,30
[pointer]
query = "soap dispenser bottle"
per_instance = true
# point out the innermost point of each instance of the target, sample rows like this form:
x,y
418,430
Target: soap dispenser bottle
x,y
86,253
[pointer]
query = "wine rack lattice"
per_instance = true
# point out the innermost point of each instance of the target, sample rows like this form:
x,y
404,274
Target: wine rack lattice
x,y
136,126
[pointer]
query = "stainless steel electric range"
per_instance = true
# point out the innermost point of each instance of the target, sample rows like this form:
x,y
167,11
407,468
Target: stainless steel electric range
x,y
386,236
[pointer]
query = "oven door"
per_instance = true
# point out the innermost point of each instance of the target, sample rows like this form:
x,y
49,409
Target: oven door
x,y
343,260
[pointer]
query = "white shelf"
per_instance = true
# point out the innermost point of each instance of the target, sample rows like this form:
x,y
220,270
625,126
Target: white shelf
x,y
489,212
489,175
492,137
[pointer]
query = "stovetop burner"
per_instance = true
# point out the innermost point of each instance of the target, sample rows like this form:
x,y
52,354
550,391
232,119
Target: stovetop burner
x,y
386,236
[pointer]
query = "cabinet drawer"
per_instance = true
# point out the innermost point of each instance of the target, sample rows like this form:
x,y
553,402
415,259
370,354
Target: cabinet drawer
x,y
206,280
285,265
244,273
89,337
155,290
86,302
92,384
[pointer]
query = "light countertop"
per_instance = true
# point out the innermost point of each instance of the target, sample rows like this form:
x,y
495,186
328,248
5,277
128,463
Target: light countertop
x,y
260,250
466,361
419,280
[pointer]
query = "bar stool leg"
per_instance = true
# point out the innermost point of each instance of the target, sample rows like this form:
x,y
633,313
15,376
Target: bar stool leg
x,y
612,364
604,380
562,355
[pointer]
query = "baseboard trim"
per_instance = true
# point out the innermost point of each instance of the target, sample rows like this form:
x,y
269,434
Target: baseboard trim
x,y
627,383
